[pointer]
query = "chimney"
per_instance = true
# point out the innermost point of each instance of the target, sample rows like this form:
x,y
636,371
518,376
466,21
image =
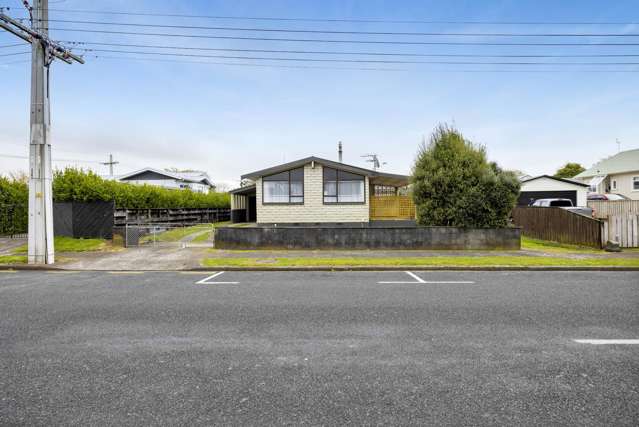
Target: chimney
x,y
339,151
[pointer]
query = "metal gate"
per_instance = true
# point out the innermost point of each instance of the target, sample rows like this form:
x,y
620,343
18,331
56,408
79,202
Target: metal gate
x,y
168,235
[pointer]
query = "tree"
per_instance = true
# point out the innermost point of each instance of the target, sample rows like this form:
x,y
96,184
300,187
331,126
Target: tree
x,y
569,170
455,185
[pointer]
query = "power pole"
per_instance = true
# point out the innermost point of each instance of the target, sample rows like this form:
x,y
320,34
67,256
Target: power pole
x,y
110,163
43,52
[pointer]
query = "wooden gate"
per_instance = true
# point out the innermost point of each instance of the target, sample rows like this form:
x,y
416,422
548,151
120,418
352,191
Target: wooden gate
x,y
392,207
623,229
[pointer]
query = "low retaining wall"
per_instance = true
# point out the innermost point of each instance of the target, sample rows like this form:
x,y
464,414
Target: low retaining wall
x,y
442,238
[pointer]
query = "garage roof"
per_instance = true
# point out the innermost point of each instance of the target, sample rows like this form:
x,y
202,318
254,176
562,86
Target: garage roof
x,y
566,180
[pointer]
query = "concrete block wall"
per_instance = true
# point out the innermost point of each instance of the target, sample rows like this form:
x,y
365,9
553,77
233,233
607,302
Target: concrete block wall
x,y
313,210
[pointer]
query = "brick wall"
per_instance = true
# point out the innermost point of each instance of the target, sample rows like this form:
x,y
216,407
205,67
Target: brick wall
x,y
313,210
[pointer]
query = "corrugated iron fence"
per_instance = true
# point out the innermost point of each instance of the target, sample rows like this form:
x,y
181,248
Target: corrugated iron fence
x,y
558,225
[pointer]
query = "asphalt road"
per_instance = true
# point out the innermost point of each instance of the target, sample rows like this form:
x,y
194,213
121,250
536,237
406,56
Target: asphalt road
x,y
490,348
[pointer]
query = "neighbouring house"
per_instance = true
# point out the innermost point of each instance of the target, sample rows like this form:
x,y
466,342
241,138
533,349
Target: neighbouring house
x,y
194,180
550,187
617,174
320,191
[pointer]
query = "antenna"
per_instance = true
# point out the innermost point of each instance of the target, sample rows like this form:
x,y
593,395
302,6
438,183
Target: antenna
x,y
110,163
618,145
374,159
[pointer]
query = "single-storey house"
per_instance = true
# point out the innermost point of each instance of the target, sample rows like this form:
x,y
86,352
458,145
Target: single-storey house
x,y
320,191
550,187
195,180
617,174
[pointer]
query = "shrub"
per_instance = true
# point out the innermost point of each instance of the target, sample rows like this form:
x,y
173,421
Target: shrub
x,y
455,185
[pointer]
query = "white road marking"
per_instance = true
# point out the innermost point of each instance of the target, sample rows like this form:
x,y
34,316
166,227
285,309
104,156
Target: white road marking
x,y
205,281
419,280
608,342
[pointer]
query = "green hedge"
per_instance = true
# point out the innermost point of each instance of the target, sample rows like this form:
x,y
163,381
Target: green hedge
x,y
14,198
70,185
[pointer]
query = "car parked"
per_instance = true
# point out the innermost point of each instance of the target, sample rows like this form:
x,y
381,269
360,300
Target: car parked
x,y
607,196
563,204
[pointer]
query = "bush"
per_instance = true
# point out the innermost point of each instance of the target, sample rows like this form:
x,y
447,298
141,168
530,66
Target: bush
x,y
71,185
455,185
14,199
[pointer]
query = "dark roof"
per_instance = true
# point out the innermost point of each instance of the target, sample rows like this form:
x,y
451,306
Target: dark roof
x,y
566,180
249,189
337,165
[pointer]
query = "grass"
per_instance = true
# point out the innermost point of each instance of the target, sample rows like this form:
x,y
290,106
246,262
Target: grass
x,y
528,243
69,244
13,259
177,234
436,261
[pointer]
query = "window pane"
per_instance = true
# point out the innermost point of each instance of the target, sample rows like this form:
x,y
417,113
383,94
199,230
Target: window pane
x,y
347,176
297,199
283,176
297,188
276,192
330,188
330,174
635,183
297,174
330,199
351,191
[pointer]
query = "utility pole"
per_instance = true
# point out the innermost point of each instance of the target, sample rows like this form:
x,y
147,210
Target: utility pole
x,y
43,53
618,145
110,163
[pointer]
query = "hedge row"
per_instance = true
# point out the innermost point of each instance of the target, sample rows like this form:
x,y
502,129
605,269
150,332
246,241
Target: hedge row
x,y
71,185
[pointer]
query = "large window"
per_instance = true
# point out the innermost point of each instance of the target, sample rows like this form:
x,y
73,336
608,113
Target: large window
x,y
343,187
635,183
284,187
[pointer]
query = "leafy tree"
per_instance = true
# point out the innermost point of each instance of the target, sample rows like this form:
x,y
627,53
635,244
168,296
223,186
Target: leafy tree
x,y
455,185
569,170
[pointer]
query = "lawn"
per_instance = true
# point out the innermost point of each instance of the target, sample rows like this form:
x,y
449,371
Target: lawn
x,y
69,244
13,259
435,261
528,243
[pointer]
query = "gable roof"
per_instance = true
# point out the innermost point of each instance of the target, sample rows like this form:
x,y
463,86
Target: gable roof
x,y
325,162
195,177
566,180
625,161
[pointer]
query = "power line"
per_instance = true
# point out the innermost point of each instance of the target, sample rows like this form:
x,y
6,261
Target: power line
x,y
456,70
14,156
342,32
2,46
384,42
323,52
351,20
14,53
369,61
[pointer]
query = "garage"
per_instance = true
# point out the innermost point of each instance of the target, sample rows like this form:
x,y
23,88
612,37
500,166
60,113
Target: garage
x,y
549,187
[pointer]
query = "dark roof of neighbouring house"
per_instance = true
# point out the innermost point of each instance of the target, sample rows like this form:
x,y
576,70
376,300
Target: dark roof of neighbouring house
x,y
195,176
566,180
325,162
625,161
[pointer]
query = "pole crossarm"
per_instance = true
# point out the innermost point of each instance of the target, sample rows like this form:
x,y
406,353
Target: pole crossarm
x,y
27,34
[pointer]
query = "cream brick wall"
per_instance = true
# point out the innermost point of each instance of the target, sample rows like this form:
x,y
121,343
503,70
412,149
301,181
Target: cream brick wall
x,y
313,209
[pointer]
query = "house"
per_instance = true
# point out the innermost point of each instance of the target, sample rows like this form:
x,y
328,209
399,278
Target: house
x,y
550,187
313,190
193,180
617,174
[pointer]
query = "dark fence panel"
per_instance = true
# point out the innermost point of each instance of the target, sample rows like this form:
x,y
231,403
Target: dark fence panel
x,y
83,220
171,216
558,225
13,220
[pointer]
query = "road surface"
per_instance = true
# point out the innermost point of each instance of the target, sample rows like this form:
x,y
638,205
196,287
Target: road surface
x,y
252,348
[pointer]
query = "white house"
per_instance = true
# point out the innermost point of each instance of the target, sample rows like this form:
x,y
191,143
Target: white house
x,y
195,181
549,187
617,174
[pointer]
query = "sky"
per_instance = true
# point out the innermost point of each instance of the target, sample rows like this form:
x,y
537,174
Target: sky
x,y
163,111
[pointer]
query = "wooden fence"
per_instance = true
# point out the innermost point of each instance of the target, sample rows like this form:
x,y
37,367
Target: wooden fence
x,y
558,225
605,209
171,216
392,207
623,229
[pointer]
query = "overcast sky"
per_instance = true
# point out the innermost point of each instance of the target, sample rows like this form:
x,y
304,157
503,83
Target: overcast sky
x,y
229,120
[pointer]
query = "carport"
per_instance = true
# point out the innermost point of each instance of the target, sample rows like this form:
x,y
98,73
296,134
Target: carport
x,y
243,204
550,187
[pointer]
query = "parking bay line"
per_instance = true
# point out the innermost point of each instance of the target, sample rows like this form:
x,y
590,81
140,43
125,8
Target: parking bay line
x,y
419,281
608,342
205,281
